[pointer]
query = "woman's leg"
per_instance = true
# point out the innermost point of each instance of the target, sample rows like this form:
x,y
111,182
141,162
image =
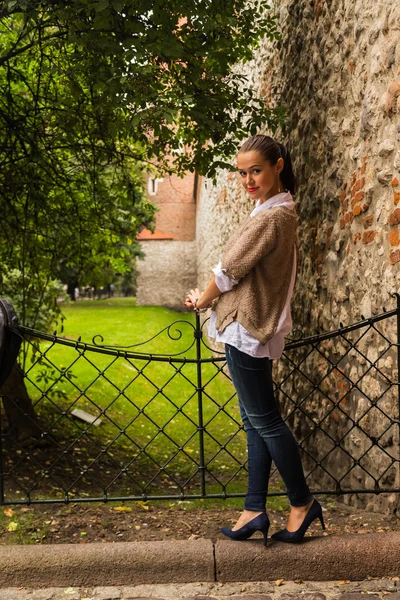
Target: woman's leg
x,y
265,427
259,463
258,467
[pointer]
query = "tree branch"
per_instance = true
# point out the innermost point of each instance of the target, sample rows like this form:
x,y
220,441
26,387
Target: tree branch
x,y
13,53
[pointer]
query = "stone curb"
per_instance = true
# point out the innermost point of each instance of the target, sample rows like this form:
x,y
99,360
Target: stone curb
x,y
353,557
122,563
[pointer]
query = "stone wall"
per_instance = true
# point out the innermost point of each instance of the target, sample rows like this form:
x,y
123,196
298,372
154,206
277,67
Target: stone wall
x,y
337,71
167,272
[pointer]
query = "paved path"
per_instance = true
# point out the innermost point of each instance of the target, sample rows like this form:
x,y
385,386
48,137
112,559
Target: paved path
x,y
372,589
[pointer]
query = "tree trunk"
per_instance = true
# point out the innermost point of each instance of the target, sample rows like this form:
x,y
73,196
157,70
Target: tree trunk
x,y
71,289
18,408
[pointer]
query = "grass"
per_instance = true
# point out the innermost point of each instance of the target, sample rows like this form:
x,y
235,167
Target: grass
x,y
149,410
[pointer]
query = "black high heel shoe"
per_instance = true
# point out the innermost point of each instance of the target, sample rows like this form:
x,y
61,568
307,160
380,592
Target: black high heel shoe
x,y
259,523
314,512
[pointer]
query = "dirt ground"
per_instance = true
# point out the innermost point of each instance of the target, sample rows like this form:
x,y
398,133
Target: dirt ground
x,y
136,521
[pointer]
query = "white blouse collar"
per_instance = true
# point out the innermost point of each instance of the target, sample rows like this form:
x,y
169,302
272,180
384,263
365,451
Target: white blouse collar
x,y
281,199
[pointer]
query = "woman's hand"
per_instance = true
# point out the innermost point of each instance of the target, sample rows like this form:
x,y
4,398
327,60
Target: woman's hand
x,y
204,299
191,298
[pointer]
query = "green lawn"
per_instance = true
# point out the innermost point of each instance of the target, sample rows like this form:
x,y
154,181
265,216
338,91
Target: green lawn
x,y
149,409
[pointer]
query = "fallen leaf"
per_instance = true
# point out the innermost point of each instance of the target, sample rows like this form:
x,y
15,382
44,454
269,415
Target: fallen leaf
x,y
123,508
299,580
279,581
8,512
344,582
13,526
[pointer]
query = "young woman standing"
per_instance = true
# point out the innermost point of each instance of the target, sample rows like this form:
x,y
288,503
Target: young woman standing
x,y
250,295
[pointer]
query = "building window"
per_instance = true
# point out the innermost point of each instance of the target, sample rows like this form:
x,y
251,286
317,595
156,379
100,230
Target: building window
x,y
152,185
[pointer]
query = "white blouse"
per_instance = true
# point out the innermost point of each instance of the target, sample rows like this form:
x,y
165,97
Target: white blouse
x,y
235,334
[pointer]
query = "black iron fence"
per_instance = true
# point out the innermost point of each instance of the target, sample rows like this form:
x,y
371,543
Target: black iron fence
x,y
117,423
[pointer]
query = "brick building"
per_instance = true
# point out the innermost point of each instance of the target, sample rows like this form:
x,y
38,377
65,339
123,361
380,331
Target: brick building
x,y
169,267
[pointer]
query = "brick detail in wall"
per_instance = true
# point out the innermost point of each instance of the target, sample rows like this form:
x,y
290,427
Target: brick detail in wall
x,y
352,196
394,237
368,236
395,217
394,257
394,221
175,199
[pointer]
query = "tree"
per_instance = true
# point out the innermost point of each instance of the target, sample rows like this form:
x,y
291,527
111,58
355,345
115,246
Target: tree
x,y
92,93
170,63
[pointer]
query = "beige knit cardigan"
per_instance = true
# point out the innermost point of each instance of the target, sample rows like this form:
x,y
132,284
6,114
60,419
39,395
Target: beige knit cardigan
x,y
260,255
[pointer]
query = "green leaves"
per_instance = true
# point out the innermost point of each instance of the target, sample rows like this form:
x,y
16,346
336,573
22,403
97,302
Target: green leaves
x,y
93,92
101,5
171,61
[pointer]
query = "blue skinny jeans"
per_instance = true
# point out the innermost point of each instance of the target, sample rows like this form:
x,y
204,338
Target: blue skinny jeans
x,y
268,437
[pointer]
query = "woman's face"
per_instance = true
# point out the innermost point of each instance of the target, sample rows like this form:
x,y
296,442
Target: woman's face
x,y
259,178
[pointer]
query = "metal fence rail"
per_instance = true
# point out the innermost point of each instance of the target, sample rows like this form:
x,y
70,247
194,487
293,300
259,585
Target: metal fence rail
x,y
168,425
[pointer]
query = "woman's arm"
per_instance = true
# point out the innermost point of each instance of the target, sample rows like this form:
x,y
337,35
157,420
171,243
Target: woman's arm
x,y
204,298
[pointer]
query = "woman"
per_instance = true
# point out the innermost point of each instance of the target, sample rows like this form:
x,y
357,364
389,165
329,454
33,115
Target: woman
x,y
252,289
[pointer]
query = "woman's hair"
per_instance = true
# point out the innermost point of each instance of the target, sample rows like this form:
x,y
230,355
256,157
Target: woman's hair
x,y
271,151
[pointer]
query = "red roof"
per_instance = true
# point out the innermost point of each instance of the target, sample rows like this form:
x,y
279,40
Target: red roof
x,y
146,234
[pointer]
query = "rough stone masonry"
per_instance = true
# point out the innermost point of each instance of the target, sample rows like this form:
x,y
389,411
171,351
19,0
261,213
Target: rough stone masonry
x,y
337,72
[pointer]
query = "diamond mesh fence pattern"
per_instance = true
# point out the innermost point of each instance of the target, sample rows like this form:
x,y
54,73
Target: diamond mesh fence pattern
x,y
340,394
118,423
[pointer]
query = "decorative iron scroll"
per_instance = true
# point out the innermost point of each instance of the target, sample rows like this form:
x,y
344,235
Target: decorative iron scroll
x,y
168,329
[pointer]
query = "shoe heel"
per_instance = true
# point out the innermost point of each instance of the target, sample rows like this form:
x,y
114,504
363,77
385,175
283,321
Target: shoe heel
x,y
321,518
265,537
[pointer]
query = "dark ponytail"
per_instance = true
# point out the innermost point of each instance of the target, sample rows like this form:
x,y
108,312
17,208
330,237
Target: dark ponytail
x,y
271,151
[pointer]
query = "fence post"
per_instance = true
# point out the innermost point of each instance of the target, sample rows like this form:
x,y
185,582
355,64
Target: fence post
x,y
398,369
198,335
